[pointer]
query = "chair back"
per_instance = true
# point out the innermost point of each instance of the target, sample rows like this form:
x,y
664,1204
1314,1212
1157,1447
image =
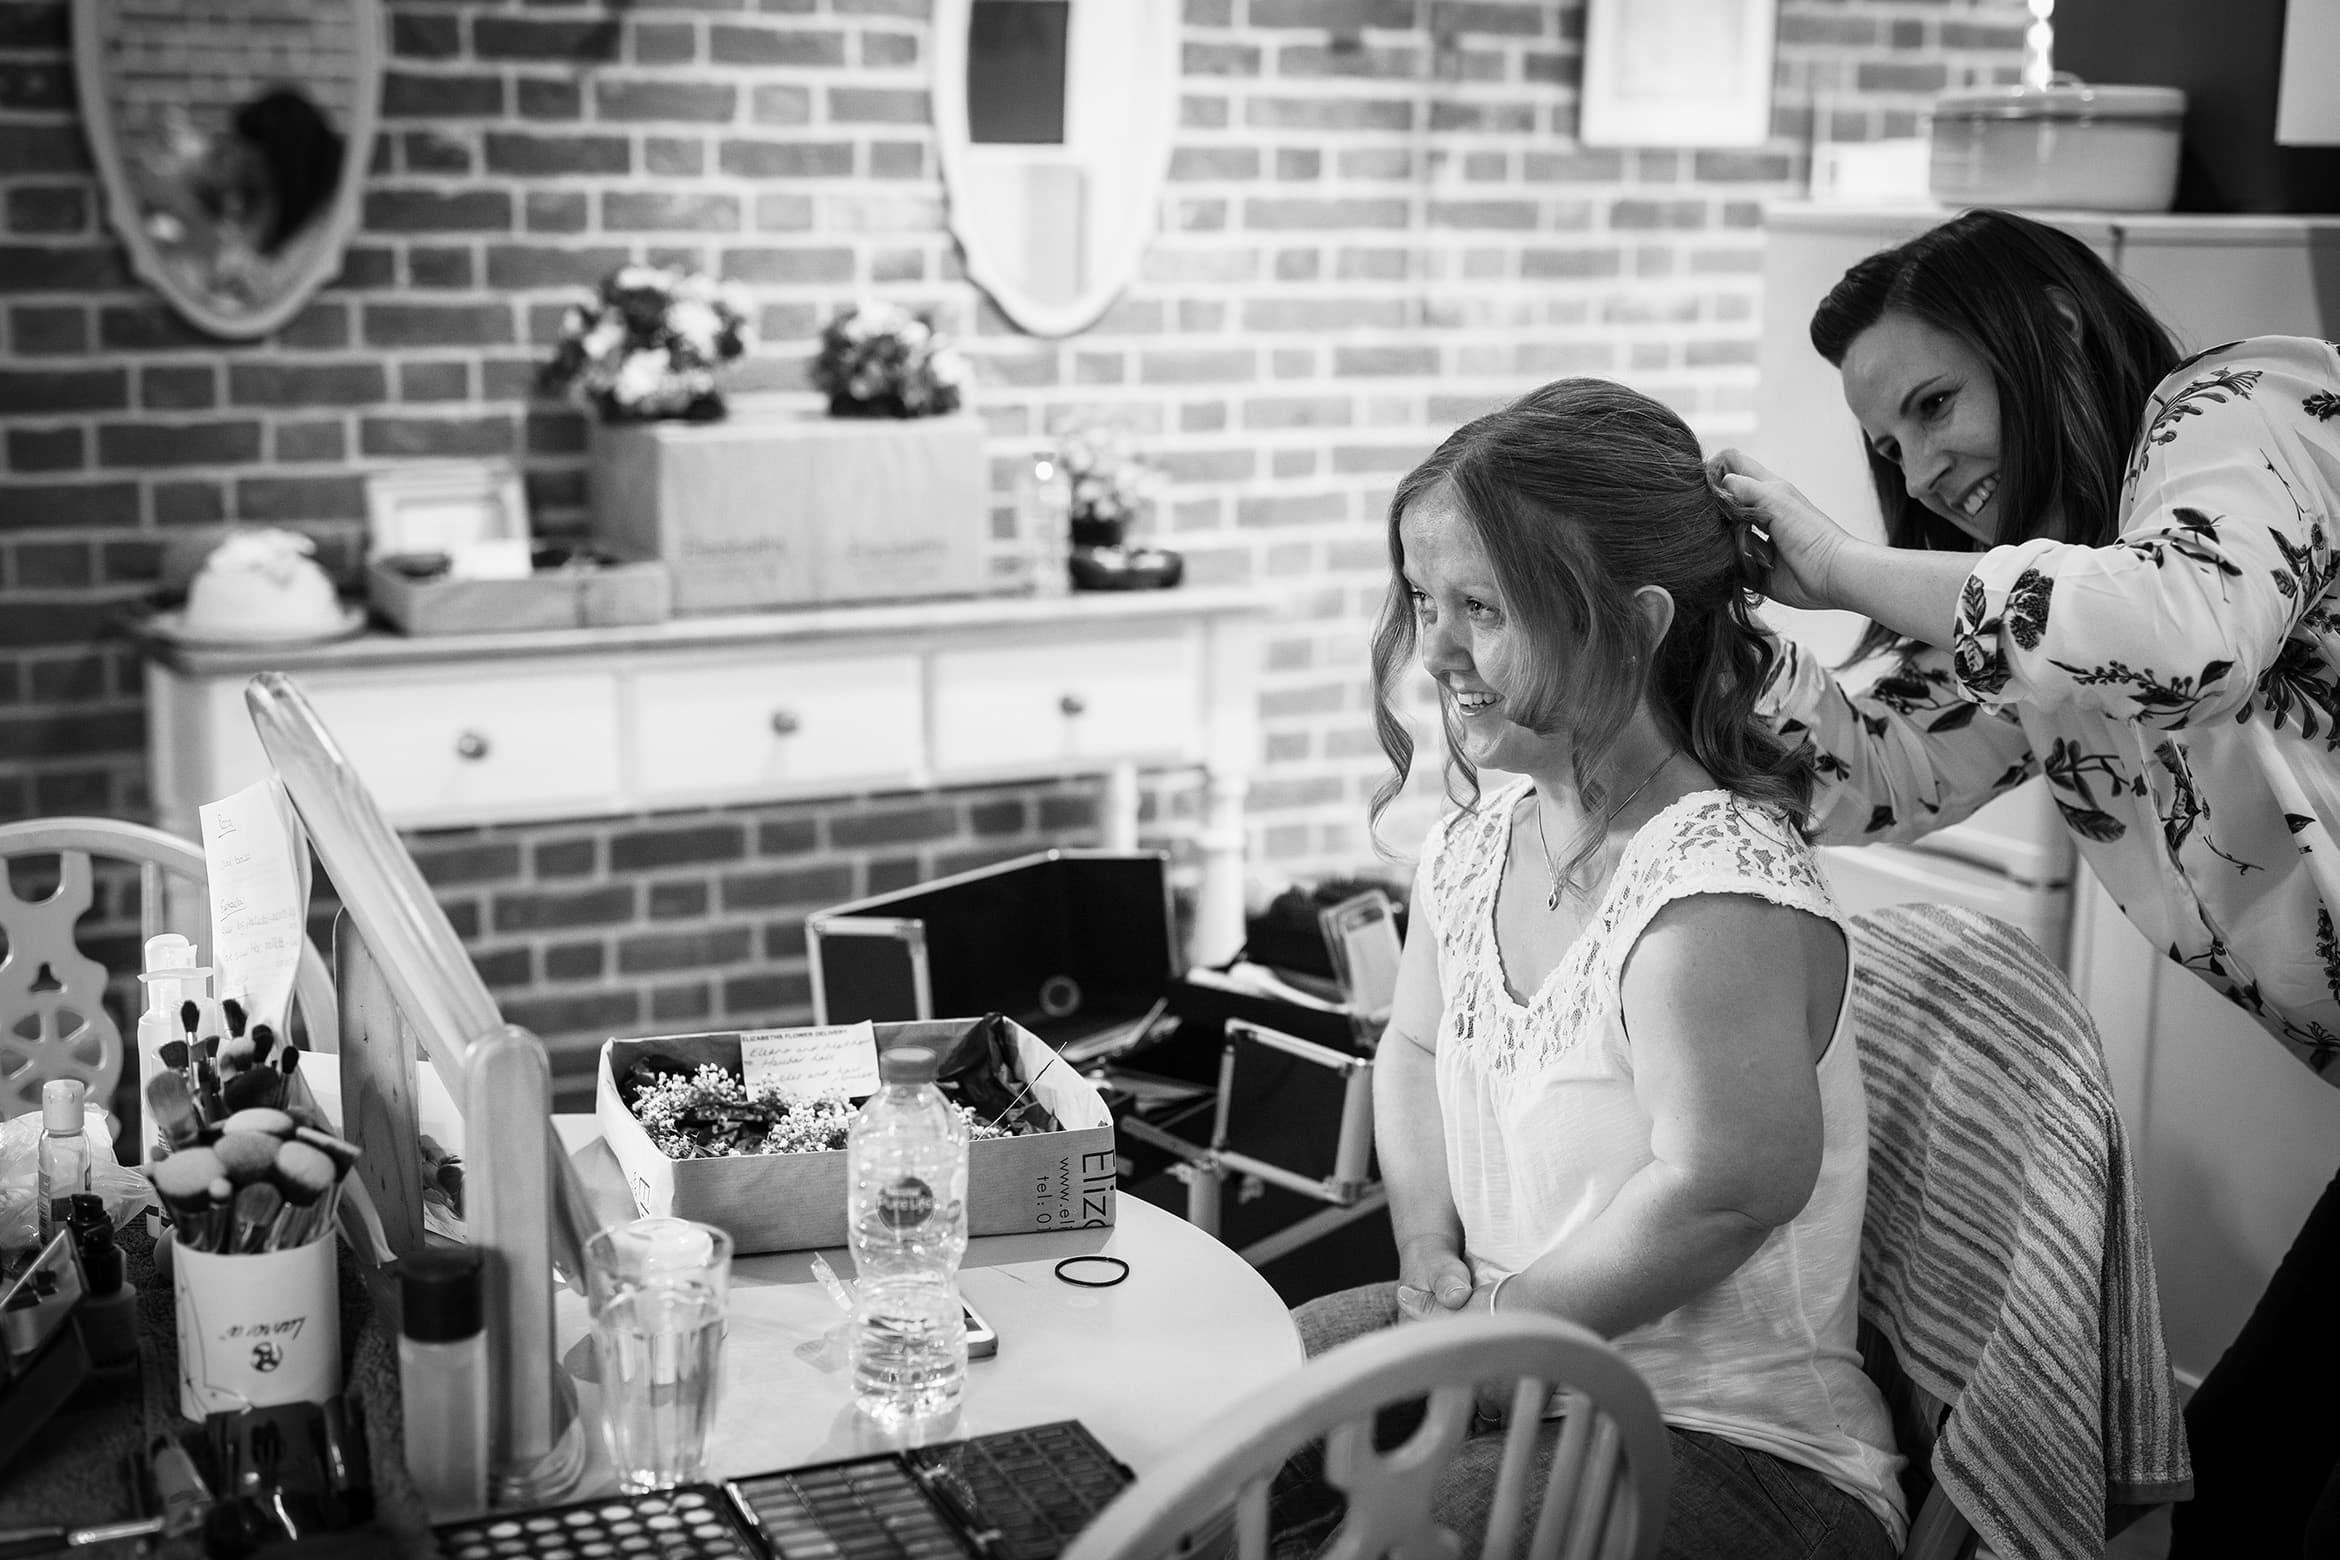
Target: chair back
x,y
53,1018
2007,1292
1605,1494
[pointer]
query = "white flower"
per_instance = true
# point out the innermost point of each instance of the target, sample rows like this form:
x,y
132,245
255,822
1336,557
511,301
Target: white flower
x,y
630,278
696,322
948,366
641,377
606,337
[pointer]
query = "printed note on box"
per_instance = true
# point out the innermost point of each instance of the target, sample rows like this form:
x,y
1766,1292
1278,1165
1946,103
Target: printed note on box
x,y
257,861
805,1064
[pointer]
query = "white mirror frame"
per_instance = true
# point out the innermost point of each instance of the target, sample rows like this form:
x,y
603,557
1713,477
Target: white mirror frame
x,y
94,21
1141,172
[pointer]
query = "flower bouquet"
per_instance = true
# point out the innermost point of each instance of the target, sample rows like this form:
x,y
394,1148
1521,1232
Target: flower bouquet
x,y
1110,485
648,344
880,360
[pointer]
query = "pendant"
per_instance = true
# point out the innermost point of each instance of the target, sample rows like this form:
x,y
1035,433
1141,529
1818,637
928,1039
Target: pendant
x,y
1552,900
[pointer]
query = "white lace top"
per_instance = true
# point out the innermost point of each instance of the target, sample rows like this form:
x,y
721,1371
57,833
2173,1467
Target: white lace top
x,y
1543,1126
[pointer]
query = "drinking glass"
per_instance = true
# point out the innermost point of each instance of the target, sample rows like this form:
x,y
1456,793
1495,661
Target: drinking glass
x,y
658,1290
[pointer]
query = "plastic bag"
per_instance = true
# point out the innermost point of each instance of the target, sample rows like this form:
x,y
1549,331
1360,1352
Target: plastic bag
x,y
126,1190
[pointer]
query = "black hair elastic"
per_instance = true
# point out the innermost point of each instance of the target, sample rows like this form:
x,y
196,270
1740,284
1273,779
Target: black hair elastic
x,y
1093,1283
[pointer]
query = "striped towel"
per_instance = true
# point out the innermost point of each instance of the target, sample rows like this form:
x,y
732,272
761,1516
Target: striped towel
x,y
2004,1254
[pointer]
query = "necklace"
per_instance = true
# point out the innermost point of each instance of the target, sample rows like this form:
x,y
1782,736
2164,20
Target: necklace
x,y
1552,867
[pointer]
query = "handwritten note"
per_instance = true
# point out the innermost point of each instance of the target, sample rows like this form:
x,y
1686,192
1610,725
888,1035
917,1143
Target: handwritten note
x,y
808,1063
258,862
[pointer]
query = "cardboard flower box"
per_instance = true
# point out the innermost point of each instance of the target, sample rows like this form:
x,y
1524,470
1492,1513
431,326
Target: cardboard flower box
x,y
791,1202
767,508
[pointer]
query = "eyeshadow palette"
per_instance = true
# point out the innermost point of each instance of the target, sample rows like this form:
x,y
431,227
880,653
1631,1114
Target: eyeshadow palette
x,y
689,1522
1012,1495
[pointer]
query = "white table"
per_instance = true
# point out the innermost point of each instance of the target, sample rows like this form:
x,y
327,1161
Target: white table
x,y
1147,1365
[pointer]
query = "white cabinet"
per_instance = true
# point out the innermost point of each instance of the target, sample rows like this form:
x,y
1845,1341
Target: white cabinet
x,y
709,711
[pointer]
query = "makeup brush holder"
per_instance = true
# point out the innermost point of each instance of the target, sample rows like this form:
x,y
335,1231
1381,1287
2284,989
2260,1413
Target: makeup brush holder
x,y
257,1329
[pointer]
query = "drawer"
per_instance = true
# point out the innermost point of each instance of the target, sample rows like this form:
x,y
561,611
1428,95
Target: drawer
x,y
739,728
436,747
1047,706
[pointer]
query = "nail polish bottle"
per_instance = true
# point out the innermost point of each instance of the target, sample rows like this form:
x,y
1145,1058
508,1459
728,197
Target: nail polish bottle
x,y
108,1313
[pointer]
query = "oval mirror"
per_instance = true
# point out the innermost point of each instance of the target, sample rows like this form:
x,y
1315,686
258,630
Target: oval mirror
x,y
233,137
1055,119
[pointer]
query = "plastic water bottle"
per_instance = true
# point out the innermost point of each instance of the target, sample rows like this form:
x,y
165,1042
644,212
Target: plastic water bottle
x,y
906,1164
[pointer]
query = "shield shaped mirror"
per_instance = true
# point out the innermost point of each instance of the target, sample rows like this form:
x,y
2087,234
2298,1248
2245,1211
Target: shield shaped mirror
x,y
232,137
1055,119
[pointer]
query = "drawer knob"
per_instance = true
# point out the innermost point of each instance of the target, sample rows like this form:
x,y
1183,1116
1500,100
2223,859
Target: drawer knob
x,y
785,723
1073,704
471,746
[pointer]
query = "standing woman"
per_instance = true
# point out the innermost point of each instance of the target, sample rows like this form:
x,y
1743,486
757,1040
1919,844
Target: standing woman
x,y
2114,567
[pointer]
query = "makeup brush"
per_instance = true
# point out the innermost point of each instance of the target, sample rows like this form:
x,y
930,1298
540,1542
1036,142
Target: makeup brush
x,y
342,1152
190,1018
257,1207
263,1041
173,1110
173,1054
233,1012
249,1156
273,1122
194,1186
259,1086
304,1175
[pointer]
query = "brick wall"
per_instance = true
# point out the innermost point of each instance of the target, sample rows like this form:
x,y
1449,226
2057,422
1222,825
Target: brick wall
x,y
1379,222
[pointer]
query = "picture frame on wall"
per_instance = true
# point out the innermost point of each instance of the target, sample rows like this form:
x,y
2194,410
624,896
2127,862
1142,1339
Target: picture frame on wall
x,y
1678,72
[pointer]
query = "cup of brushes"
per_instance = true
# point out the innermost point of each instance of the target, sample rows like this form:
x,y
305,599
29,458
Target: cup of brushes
x,y
252,1186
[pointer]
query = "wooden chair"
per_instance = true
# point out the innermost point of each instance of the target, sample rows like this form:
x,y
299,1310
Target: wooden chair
x,y
1605,1496
53,1020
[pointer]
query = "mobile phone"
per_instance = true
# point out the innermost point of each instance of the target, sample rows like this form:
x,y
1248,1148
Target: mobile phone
x,y
982,1342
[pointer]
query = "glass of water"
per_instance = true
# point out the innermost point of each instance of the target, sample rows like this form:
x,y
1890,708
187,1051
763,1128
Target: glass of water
x,y
658,1289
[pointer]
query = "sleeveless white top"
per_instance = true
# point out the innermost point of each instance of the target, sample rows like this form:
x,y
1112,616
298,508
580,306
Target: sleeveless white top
x,y
1543,1127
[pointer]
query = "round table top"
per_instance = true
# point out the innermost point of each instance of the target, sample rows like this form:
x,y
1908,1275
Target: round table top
x,y
1147,1364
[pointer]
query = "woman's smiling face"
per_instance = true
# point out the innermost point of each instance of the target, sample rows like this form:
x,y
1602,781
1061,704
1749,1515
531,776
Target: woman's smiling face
x,y
1464,634
1926,402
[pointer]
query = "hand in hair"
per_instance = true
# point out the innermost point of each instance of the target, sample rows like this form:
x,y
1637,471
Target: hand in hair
x,y
1810,548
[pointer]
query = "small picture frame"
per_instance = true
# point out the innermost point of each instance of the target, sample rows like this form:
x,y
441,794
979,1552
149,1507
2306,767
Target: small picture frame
x,y
1361,935
457,508
1678,72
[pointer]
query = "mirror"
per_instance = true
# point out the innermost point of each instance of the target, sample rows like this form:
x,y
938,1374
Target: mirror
x,y
233,137
1055,119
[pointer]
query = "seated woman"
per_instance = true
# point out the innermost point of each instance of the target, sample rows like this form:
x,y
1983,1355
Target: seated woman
x,y
1617,1085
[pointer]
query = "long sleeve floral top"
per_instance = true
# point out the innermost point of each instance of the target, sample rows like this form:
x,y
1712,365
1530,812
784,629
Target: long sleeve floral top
x,y
2179,687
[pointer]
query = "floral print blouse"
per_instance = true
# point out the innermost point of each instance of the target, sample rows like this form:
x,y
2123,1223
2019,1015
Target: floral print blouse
x,y
2179,687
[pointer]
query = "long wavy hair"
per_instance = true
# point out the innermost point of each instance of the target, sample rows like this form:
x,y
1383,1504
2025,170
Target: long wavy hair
x,y
2071,395
1582,493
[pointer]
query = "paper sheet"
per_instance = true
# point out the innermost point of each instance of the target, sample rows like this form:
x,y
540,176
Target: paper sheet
x,y
808,1063
257,858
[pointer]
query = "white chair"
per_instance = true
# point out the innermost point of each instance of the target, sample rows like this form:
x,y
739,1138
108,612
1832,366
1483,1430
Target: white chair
x,y
53,1021
1605,1495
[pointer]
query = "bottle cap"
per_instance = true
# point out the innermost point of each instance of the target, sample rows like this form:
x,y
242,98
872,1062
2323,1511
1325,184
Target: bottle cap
x,y
439,1294
101,1259
907,1064
61,1105
87,1210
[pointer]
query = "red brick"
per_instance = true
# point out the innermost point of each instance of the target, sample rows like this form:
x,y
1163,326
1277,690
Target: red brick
x,y
788,265
39,25
534,156
785,159
1358,361
409,96
438,211
546,98
1324,314
609,904
178,444
886,50
787,837
47,208
429,151
29,268
562,42
735,44
1194,163
516,266
1334,15
650,98
1895,76
1200,365
437,324
1211,58
558,211
814,886
575,961
636,849
1511,118
431,267
1267,509
461,862
666,156
43,148
1511,215
782,103
426,37
1202,113
46,332
306,384
46,450
432,382
664,43
561,858
1301,61
37,392
74,735
1326,113
658,211
495,434
338,497
1289,212
1549,264
662,952
189,504
61,566
310,441
1512,18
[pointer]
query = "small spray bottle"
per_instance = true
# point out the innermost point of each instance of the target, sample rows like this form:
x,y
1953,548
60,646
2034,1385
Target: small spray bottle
x,y
170,977
64,1152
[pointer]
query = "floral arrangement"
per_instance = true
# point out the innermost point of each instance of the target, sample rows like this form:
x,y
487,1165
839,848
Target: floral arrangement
x,y
648,344
1110,485
710,1113
881,360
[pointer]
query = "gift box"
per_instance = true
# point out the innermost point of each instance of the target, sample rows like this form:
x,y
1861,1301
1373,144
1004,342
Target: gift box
x,y
767,508
609,594
1060,1180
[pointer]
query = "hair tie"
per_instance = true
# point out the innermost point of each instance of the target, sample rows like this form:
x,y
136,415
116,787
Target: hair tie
x,y
1121,1270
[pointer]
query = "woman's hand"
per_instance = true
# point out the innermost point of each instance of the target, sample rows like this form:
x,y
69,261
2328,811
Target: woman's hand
x,y
1808,545
1433,1280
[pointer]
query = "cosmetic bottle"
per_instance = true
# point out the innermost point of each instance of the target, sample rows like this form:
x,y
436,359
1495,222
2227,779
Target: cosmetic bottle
x,y
443,1378
64,1152
108,1313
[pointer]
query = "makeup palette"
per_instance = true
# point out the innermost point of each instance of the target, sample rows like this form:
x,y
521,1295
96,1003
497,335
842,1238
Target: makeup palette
x,y
1013,1495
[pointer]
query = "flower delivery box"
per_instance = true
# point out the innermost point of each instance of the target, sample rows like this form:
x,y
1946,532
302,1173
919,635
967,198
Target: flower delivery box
x,y
1059,1180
